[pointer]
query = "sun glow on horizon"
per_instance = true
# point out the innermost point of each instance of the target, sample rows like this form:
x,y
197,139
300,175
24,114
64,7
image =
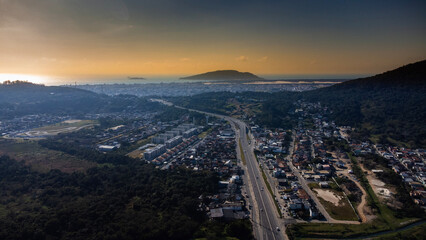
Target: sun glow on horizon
x,y
23,77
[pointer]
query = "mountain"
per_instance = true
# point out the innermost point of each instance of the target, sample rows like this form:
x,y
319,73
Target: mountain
x,y
21,98
411,75
224,75
388,107
22,91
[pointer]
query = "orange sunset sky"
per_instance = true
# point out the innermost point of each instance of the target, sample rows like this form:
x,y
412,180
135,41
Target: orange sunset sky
x,y
166,37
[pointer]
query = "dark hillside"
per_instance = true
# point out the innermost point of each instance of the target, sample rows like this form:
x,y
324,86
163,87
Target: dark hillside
x,y
390,106
23,98
410,75
20,92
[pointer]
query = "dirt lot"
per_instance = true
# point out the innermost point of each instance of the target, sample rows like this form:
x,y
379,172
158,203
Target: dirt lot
x,y
328,196
336,204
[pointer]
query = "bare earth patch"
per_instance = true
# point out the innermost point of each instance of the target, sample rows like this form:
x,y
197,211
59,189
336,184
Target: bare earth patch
x,y
377,183
72,121
329,196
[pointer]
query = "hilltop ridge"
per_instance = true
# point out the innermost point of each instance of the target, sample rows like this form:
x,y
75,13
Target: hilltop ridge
x,y
224,75
413,74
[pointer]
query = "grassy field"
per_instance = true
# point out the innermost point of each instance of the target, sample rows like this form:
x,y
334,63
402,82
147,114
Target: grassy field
x,y
268,186
415,233
205,133
42,159
343,211
135,152
343,231
66,124
243,157
62,127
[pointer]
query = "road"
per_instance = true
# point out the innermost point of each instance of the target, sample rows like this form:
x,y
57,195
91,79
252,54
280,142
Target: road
x,y
268,218
264,213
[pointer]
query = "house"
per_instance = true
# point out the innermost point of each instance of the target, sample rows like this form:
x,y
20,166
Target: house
x,y
302,194
216,213
295,204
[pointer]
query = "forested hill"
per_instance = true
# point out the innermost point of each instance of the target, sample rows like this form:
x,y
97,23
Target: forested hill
x,y
21,92
22,98
389,106
411,75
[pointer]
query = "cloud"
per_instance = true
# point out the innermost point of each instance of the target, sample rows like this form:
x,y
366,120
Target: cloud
x,y
242,58
184,59
262,59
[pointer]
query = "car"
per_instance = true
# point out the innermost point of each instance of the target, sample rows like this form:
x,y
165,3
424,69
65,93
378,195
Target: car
x,y
278,229
261,209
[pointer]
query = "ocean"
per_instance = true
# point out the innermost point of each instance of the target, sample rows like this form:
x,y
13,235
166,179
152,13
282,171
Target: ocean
x,y
95,80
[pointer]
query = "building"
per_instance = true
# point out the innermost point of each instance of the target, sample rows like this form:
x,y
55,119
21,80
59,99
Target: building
x,y
189,133
173,142
107,148
151,153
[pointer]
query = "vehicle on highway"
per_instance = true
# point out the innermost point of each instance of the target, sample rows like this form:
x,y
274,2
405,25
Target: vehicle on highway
x,y
278,229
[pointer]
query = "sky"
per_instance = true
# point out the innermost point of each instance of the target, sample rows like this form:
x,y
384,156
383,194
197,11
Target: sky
x,y
183,37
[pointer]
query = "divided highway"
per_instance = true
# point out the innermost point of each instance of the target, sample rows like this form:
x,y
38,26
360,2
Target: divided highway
x,y
267,225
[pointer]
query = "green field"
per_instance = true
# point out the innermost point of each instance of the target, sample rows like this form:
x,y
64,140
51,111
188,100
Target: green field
x,y
415,233
343,211
205,133
67,124
243,157
62,127
40,158
268,186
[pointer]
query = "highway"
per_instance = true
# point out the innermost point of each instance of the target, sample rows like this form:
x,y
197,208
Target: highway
x,y
266,221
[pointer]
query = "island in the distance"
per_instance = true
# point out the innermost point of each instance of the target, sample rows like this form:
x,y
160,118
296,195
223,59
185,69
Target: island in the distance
x,y
136,78
224,75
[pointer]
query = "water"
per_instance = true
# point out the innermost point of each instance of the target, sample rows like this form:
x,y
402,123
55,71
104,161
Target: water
x,y
113,80
92,80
